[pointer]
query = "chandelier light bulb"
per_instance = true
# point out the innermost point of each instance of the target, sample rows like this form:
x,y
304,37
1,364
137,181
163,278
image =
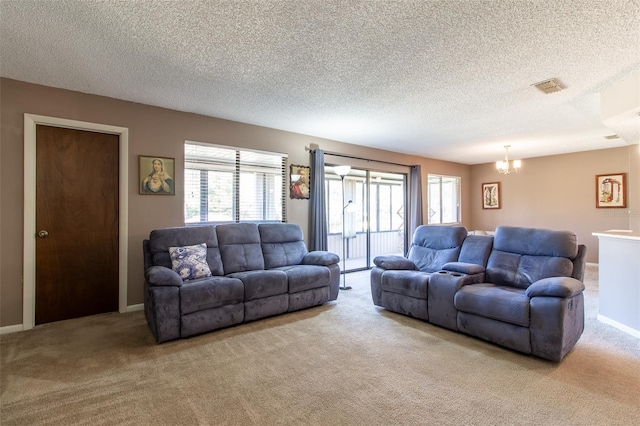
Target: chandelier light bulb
x,y
504,167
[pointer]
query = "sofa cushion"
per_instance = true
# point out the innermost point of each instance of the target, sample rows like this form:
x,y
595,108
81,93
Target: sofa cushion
x,y
240,247
433,246
210,292
522,270
536,241
407,283
439,237
282,244
161,239
476,249
190,262
431,260
502,303
306,277
258,284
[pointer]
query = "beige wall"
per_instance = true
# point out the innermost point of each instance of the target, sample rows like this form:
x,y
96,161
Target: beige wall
x,y
558,192
152,131
552,192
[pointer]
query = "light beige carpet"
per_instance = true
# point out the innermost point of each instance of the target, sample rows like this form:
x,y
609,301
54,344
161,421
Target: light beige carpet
x,y
345,363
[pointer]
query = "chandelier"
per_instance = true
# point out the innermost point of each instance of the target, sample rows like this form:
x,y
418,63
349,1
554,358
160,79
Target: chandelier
x,y
504,167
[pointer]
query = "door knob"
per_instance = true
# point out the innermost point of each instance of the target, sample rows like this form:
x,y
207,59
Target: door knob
x,y
43,234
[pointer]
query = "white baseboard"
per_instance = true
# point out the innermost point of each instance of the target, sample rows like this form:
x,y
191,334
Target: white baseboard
x,y
622,327
18,327
133,308
11,328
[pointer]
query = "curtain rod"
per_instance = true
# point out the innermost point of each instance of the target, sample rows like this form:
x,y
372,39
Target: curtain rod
x,y
334,154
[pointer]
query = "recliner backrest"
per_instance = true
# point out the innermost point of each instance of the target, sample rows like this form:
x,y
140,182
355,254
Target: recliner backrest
x,y
240,247
432,246
522,256
161,239
282,244
476,249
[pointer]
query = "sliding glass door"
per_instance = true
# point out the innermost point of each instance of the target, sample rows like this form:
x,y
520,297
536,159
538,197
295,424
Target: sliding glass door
x,y
387,224
366,215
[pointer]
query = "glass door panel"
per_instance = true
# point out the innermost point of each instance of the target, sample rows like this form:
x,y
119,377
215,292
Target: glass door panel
x,y
369,207
387,204
347,210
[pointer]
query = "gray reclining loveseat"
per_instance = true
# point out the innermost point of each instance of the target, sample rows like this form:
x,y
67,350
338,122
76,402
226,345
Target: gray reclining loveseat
x,y
203,278
521,288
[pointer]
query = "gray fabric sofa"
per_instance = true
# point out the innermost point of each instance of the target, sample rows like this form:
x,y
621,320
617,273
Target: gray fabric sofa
x,y
255,271
521,288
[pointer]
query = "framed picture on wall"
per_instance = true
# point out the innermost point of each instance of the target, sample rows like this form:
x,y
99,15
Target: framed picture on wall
x,y
299,182
491,195
611,191
156,175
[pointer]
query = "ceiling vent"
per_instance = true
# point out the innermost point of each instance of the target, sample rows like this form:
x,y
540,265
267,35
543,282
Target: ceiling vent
x,y
610,137
549,86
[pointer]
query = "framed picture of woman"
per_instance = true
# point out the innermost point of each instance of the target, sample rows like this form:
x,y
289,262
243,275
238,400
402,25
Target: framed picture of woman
x,y
156,175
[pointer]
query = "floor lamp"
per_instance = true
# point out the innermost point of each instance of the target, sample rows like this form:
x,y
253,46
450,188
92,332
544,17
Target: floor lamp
x,y
342,171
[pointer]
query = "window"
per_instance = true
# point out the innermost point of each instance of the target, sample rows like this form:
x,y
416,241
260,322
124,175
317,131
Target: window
x,y
224,184
444,199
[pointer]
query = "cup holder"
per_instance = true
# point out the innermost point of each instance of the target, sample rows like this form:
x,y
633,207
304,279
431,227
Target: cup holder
x,y
453,274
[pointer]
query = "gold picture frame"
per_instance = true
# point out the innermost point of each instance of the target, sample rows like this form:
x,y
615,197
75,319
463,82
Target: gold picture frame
x,y
156,175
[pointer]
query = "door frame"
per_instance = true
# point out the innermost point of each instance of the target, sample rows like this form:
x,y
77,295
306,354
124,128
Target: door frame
x,y
29,253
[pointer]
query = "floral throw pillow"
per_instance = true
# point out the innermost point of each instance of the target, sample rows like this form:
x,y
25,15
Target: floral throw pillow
x,y
190,262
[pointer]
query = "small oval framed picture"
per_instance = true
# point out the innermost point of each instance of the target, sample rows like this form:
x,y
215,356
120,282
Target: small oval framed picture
x,y
156,175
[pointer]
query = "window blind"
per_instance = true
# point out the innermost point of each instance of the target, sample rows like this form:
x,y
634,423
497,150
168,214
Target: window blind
x,y
226,184
443,199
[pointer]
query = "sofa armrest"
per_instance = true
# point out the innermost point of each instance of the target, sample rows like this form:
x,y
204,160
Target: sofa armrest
x,y
463,268
162,276
441,292
321,258
394,262
555,287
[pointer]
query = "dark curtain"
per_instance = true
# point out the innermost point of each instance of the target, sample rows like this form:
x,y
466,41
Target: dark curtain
x,y
318,237
415,199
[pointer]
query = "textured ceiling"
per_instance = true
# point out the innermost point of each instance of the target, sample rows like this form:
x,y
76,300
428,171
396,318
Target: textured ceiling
x,y
442,79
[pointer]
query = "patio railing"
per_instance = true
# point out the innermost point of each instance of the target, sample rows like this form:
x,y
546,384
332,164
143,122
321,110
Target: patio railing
x,y
382,243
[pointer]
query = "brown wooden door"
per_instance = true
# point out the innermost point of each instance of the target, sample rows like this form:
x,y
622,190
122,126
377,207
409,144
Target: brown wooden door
x,y
77,208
